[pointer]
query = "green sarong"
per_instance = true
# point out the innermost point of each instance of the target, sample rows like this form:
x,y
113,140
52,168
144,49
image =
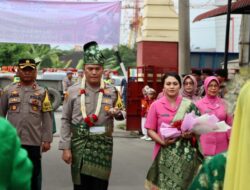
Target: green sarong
x,y
175,165
92,154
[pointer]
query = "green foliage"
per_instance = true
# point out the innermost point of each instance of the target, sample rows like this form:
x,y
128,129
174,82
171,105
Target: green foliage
x,y
128,57
11,53
80,64
50,57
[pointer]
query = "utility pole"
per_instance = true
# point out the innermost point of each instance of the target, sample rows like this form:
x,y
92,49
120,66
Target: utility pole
x,y
184,38
227,34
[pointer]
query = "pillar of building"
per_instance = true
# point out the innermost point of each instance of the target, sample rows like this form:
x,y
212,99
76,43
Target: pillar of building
x,y
158,43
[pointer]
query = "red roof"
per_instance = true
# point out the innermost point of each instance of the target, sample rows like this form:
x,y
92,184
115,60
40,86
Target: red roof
x,y
238,7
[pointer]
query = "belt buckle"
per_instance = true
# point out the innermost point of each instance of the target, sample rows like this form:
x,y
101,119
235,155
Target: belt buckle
x,y
80,129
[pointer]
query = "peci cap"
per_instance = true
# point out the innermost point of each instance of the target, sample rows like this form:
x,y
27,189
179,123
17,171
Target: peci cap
x,y
92,54
23,63
69,72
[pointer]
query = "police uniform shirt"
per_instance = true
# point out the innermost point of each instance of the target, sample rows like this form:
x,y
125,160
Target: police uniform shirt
x,y
67,83
23,107
72,110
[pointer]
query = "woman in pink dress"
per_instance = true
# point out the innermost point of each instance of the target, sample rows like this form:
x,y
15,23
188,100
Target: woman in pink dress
x,y
175,159
215,142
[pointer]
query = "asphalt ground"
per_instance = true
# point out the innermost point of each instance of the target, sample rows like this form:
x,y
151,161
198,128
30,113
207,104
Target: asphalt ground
x,y
132,158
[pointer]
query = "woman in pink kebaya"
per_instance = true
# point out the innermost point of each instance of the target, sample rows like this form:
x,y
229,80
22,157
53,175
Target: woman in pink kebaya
x,y
215,142
189,88
176,159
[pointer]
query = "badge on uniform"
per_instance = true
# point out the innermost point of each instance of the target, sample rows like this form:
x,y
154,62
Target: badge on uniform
x,y
165,115
107,100
14,94
35,102
106,108
107,91
34,108
13,108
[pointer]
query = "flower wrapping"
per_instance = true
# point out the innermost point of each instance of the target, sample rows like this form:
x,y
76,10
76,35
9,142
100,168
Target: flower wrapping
x,y
168,131
192,123
204,124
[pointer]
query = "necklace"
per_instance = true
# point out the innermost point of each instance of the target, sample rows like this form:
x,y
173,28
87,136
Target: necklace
x,y
91,118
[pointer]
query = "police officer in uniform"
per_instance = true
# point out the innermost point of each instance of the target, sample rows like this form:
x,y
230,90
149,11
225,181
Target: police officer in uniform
x,y
87,125
67,81
26,105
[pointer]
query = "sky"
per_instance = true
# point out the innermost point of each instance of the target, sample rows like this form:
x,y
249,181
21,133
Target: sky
x,y
202,33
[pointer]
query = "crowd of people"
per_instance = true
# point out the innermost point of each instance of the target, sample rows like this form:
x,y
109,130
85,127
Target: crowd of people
x,y
86,138
176,159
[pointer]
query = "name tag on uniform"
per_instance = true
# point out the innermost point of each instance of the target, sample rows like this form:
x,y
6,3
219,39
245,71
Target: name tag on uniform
x,y
97,130
165,115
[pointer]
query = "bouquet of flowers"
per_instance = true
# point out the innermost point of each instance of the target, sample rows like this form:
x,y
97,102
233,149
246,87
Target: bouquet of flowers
x,y
192,123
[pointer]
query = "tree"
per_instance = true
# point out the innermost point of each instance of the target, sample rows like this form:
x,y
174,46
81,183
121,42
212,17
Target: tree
x,y
128,57
48,56
10,53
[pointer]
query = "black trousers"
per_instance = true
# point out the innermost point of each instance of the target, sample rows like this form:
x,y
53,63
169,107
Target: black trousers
x,y
34,155
91,183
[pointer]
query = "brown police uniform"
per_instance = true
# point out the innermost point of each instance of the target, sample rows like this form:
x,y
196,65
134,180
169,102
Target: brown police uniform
x,y
95,147
72,111
90,140
67,83
25,108
29,110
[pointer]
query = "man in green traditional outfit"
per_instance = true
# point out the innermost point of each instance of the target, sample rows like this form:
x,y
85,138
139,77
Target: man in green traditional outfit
x,y
87,125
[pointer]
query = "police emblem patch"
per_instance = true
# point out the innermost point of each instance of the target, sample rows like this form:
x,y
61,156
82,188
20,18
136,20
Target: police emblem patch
x,y
106,108
13,108
34,108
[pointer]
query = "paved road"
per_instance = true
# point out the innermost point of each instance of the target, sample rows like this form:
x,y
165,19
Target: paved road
x,y
131,160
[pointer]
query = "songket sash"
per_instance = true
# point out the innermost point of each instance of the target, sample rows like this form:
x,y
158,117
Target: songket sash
x,y
92,154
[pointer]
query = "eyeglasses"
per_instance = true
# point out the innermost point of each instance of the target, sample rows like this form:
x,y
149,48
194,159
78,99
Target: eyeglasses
x,y
213,86
188,83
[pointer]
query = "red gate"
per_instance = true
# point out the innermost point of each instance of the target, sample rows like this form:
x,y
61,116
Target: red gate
x,y
138,77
